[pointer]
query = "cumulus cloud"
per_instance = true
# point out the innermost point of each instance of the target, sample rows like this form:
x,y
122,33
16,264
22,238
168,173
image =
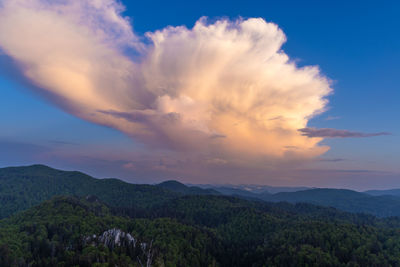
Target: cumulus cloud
x,y
335,133
224,90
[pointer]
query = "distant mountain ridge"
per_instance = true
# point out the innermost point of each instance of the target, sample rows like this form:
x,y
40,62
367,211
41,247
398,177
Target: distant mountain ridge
x,y
178,187
389,192
382,205
24,187
343,199
252,188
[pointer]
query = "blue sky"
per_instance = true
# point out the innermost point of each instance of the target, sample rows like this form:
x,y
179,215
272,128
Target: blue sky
x,y
355,44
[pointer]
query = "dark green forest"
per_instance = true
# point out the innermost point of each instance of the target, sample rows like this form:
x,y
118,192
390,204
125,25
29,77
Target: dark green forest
x,y
56,218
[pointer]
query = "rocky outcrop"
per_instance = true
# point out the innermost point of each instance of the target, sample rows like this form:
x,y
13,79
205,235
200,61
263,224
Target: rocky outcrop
x,y
116,238
112,238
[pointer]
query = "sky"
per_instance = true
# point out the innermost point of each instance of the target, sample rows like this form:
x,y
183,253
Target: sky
x,y
283,93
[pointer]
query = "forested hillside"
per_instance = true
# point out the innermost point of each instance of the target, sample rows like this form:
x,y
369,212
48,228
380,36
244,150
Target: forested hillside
x,y
346,200
108,222
82,232
24,187
178,187
384,203
196,231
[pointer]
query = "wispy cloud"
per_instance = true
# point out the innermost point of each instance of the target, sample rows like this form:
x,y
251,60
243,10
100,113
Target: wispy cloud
x,y
331,118
332,160
60,142
16,152
335,133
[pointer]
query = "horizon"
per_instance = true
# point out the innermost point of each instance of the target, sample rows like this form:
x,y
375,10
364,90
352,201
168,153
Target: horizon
x,y
211,185
255,94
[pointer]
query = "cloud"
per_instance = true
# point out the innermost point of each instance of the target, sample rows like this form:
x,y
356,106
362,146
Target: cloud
x,y
332,160
16,152
63,143
334,133
331,118
178,89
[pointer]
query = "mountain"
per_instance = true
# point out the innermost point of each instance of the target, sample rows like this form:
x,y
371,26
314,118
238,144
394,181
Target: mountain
x,y
390,192
346,200
382,204
229,191
178,187
196,230
68,231
24,187
255,189
235,191
107,222
271,189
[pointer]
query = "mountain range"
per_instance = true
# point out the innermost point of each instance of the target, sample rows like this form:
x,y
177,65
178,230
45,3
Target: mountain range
x,y
24,187
64,218
384,203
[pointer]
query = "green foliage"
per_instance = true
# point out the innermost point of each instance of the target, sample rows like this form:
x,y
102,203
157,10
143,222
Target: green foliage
x,y
176,229
262,234
346,200
58,233
25,187
178,187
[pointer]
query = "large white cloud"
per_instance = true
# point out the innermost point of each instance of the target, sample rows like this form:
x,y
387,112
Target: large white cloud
x,y
223,90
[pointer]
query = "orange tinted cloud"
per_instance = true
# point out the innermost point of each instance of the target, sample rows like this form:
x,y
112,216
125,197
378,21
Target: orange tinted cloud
x,y
223,90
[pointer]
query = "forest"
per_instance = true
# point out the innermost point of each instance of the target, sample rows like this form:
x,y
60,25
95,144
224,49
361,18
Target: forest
x,y
153,226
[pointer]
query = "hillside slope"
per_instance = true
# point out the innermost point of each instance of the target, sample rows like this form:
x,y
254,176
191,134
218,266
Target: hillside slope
x,y
196,230
24,187
389,192
178,187
346,200
67,231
